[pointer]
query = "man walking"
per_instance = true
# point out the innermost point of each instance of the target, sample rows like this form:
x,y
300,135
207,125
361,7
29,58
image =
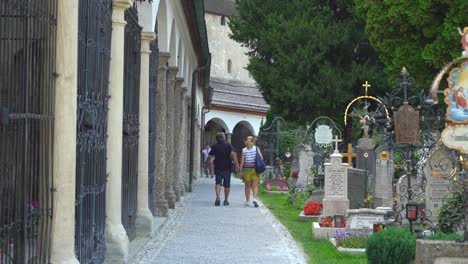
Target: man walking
x,y
223,153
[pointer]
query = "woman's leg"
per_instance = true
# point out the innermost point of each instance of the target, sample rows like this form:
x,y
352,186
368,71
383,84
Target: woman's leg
x,y
247,190
255,188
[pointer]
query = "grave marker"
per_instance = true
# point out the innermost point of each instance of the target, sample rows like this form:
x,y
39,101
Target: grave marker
x,y
384,173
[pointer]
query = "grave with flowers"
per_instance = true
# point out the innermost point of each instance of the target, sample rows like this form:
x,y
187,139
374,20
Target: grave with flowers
x,y
311,212
276,186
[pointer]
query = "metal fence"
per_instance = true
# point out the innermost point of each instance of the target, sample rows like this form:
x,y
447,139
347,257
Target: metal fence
x,y
27,66
94,39
130,121
154,57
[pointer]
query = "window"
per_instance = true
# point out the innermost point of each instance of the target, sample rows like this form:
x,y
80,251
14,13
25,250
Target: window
x,y
229,66
223,20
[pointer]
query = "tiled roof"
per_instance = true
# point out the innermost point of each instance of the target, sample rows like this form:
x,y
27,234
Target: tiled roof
x,y
221,7
236,96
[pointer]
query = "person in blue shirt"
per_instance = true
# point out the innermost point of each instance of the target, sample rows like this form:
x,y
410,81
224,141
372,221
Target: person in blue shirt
x,y
223,154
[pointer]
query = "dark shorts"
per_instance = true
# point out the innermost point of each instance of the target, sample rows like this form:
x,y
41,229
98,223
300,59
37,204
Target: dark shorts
x,y
223,178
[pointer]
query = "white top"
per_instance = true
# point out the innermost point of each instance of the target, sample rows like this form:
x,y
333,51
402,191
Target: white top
x,y
249,157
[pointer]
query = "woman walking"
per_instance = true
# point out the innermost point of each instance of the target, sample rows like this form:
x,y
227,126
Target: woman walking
x,y
248,173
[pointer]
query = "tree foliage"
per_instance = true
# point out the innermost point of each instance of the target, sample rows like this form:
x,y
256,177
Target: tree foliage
x,y
421,35
308,57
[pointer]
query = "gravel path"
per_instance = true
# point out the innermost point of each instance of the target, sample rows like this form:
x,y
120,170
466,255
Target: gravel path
x,y
199,232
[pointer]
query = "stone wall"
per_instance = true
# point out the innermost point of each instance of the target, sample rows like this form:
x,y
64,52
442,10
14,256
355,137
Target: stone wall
x,y
441,252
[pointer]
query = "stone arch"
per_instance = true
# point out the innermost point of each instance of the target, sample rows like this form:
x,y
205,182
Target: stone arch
x,y
241,131
161,24
212,127
173,45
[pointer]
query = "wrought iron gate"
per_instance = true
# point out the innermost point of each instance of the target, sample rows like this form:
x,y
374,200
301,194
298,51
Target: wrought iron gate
x,y
154,56
94,38
276,139
27,66
130,121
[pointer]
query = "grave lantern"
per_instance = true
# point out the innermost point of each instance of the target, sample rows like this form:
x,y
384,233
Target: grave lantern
x,y
378,226
412,211
338,219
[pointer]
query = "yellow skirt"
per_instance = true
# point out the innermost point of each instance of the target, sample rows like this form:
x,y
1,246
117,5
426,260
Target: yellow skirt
x,y
251,174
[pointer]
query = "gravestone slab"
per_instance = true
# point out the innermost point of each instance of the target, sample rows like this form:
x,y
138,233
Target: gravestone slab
x,y
365,160
384,173
406,125
364,218
402,193
437,170
295,160
316,197
335,200
356,188
306,161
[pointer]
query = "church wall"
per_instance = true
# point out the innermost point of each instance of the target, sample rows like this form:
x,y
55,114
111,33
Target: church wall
x,y
223,49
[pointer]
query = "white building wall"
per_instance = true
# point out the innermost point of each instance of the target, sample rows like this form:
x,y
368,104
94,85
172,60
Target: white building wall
x,y
232,119
223,49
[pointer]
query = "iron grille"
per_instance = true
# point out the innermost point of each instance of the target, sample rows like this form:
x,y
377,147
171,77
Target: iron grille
x,y
94,40
130,121
27,85
154,56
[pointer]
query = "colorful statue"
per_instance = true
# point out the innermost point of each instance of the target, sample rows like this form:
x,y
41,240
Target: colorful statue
x,y
464,40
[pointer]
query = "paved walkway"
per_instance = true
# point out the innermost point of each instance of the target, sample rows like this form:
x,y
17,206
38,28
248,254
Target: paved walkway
x,y
199,232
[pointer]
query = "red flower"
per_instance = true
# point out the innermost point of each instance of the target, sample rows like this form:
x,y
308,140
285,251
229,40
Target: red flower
x,y
312,209
295,174
326,222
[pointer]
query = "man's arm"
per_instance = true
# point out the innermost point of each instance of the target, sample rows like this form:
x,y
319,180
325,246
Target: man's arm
x,y
234,158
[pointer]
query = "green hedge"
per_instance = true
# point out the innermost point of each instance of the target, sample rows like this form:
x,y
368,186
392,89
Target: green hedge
x,y
392,246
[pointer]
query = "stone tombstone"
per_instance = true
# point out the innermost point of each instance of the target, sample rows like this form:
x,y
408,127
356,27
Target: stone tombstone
x,y
306,162
356,188
402,193
406,125
384,173
323,135
437,171
364,218
365,160
335,199
295,160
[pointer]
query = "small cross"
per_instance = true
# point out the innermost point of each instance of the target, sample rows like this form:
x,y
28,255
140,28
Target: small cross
x,y
366,86
350,155
336,141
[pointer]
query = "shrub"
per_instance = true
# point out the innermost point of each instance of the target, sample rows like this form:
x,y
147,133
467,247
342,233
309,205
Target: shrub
x,y
451,213
393,245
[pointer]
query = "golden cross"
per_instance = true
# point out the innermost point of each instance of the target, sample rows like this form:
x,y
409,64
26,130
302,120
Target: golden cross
x,y
350,155
366,86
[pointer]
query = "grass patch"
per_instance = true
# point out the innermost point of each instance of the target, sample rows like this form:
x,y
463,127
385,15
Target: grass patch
x,y
318,251
444,236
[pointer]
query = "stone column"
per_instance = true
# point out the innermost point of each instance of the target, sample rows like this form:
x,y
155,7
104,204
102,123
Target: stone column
x,y
160,202
228,137
63,222
188,138
177,136
116,238
171,77
183,141
144,220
